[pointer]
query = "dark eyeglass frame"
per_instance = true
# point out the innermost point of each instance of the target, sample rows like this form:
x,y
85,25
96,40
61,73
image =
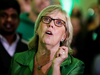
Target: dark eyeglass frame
x,y
64,23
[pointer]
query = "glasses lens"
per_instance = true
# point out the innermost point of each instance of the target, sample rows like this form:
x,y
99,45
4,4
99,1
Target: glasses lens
x,y
59,22
46,19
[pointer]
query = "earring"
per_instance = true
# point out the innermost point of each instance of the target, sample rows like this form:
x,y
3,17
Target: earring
x,y
62,41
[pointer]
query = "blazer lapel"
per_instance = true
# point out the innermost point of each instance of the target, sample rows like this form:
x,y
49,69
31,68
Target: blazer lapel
x,y
27,59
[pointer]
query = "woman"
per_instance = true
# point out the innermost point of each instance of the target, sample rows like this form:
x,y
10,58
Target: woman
x,y
49,50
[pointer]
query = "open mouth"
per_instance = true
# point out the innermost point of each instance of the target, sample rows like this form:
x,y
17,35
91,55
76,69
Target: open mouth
x,y
49,32
8,26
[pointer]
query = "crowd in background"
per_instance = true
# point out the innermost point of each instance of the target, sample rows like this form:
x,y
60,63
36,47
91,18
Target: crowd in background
x,y
87,37
86,32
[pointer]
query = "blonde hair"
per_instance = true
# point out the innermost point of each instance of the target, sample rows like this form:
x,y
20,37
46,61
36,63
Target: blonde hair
x,y
33,43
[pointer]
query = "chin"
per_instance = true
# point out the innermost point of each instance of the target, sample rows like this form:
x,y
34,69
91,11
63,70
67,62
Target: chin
x,y
7,32
47,42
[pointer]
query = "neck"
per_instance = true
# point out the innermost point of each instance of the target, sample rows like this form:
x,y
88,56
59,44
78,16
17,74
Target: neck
x,y
47,50
32,16
10,38
44,56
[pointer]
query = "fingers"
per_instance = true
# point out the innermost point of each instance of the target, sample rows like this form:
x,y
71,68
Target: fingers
x,y
65,49
62,52
60,55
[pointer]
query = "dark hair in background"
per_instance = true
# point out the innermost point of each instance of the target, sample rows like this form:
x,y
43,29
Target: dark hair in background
x,y
99,5
98,1
77,14
90,18
5,4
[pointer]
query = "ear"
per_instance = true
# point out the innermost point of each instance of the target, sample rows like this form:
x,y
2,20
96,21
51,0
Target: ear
x,y
63,37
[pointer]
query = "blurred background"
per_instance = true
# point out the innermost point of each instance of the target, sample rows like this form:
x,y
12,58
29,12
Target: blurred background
x,y
83,5
68,5
85,19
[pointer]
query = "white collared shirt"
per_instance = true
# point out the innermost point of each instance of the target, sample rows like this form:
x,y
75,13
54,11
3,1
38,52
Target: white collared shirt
x,y
9,48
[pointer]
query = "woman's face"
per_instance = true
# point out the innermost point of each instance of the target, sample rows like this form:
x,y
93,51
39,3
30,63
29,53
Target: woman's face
x,y
50,34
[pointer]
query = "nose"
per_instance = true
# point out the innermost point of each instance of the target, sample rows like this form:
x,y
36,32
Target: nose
x,y
9,19
51,24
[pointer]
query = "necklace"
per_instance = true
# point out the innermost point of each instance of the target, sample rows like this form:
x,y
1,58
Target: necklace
x,y
40,66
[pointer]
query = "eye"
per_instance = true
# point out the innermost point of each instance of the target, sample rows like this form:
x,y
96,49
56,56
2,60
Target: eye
x,y
14,16
58,22
46,19
3,15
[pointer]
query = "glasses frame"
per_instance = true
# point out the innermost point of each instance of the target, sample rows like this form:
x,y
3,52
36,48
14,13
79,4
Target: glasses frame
x,y
64,23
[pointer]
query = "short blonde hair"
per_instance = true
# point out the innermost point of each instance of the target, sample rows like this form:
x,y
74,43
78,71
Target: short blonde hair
x,y
33,43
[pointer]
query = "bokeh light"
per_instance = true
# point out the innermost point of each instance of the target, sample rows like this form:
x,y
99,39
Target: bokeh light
x,y
67,5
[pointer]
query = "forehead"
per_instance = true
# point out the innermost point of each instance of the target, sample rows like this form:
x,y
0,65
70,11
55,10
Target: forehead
x,y
57,15
9,10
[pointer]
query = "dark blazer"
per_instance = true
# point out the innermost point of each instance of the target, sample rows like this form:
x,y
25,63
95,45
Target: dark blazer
x,y
5,58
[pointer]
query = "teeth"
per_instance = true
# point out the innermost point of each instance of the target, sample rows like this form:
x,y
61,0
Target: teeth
x,y
8,26
48,32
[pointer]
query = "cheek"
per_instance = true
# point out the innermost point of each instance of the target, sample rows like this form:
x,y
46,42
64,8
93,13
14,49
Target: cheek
x,y
59,33
16,23
41,29
2,21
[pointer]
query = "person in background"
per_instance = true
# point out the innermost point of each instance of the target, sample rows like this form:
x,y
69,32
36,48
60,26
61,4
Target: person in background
x,y
26,26
78,32
96,65
24,5
75,20
96,61
10,41
92,21
55,2
49,49
91,45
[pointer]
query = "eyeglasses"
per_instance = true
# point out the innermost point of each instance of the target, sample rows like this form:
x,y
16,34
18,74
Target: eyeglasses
x,y
57,22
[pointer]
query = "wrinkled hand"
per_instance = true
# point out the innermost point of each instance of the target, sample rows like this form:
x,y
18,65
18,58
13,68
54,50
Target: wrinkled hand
x,y
60,56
